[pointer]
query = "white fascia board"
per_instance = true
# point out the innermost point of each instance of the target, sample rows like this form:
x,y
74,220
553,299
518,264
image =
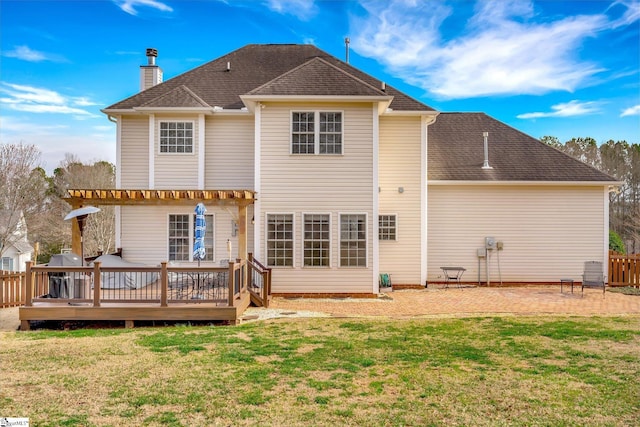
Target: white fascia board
x,y
202,110
522,183
251,100
432,114
232,112
116,111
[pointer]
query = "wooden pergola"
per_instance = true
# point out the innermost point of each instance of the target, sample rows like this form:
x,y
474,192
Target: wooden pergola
x,y
78,198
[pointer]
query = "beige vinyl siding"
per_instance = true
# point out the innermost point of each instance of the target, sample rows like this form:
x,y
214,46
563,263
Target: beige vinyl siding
x,y
176,171
144,232
134,152
229,154
548,231
325,184
400,166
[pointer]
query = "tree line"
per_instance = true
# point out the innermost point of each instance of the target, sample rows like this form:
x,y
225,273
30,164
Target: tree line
x,y
622,161
28,190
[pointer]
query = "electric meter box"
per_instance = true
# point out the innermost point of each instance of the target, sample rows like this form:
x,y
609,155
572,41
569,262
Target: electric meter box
x,y
490,243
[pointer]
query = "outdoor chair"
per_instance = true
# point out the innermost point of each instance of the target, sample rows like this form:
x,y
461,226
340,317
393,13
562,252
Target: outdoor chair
x,y
593,276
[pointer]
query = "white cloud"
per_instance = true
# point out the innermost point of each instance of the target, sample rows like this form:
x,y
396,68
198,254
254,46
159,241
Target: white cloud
x,y
568,109
301,9
504,49
130,6
39,100
90,144
630,12
631,111
25,53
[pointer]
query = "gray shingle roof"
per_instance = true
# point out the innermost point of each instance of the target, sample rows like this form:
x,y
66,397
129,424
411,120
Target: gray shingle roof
x,y
254,65
178,97
456,152
319,78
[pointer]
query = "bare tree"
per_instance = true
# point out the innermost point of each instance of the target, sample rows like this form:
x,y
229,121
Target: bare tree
x,y
99,231
22,191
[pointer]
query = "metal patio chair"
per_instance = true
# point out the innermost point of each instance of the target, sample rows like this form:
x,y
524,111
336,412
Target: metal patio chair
x,y
593,276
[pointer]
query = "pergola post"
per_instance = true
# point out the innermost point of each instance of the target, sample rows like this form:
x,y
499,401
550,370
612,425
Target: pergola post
x,y
242,231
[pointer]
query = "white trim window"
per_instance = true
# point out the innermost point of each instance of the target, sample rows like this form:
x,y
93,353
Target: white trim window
x,y
280,240
181,236
176,137
307,138
353,240
317,241
387,227
6,263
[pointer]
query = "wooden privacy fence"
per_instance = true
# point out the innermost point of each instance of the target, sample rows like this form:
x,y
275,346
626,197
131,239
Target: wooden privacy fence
x,y
12,289
624,270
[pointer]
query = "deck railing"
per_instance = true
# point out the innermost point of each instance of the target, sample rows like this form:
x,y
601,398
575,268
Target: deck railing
x,y
12,288
161,285
624,270
259,281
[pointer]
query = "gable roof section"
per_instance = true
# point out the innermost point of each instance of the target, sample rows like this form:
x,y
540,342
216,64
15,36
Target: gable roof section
x,y
181,97
456,153
255,65
317,77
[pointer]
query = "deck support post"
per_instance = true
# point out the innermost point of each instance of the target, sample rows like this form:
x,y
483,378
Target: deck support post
x,y
232,282
96,283
164,284
28,284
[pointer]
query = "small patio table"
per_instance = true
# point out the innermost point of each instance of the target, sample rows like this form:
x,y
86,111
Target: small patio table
x,y
453,274
566,282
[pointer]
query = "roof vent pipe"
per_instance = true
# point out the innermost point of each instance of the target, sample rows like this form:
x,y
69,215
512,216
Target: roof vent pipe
x,y
486,151
228,66
383,86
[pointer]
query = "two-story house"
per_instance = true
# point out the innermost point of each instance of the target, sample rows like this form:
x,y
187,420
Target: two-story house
x,y
348,176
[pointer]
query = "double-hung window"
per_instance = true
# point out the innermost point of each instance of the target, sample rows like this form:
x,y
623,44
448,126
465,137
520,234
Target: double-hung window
x,y
176,137
353,240
316,132
181,237
6,263
317,230
387,227
280,240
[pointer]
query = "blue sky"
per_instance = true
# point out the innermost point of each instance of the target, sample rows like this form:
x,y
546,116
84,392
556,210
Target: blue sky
x,y
561,68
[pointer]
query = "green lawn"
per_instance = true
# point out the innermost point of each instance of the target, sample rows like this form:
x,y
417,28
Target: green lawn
x,y
547,371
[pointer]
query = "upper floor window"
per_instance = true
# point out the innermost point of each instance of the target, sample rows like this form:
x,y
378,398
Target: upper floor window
x,y
309,138
387,227
176,137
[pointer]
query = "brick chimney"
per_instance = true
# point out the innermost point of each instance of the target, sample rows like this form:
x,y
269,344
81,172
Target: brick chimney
x,y
150,74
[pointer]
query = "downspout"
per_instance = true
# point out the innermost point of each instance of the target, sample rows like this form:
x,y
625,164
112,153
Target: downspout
x,y
424,203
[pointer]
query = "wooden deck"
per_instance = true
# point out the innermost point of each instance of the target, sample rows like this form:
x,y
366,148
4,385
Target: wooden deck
x,y
156,294
131,312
